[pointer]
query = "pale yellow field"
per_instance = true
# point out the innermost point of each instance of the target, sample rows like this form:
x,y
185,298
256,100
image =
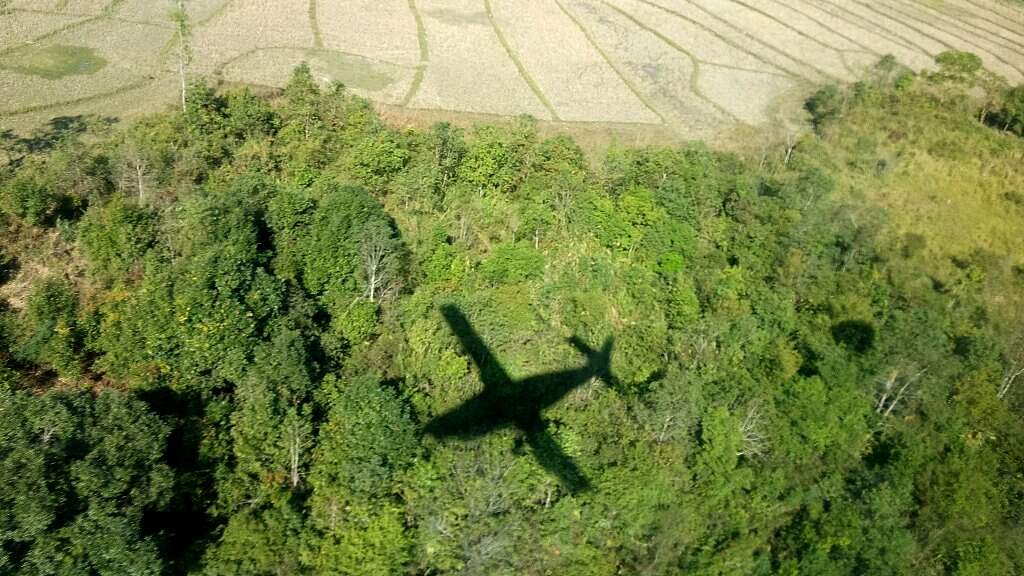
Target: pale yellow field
x,y
242,27
158,11
384,30
133,55
468,67
694,68
383,82
534,31
22,27
88,7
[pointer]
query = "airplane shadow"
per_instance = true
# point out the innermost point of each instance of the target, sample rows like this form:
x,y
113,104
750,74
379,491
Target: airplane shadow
x,y
505,402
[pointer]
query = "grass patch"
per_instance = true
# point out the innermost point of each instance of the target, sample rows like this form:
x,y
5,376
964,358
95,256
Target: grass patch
x,y
53,62
947,177
351,71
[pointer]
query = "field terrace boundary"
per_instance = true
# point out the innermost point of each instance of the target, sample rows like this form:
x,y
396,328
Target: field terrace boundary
x,y
611,63
421,40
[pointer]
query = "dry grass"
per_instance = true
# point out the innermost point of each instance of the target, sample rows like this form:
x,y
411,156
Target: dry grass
x,y
42,253
534,31
22,27
784,37
752,103
469,69
93,7
383,30
593,137
702,43
53,61
695,68
86,7
158,11
131,53
246,26
662,74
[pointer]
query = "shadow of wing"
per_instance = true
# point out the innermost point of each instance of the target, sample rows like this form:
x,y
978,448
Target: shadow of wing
x,y
474,417
490,369
553,459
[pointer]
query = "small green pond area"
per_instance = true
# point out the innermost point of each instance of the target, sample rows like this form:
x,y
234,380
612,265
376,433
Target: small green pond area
x,y
52,62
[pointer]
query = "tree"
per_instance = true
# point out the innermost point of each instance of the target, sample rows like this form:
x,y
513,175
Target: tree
x,y
184,33
363,447
379,251
265,540
135,165
958,66
825,105
115,236
272,424
83,471
49,330
30,197
497,158
1010,376
767,408
1012,113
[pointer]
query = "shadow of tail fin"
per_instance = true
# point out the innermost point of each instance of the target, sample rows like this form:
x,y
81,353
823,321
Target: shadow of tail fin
x,y
604,356
598,361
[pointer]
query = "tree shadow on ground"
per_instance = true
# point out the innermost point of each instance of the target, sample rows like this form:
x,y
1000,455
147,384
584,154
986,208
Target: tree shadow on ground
x,y
855,335
49,136
505,402
183,528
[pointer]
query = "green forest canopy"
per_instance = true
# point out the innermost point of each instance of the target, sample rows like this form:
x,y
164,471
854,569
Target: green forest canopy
x,y
221,342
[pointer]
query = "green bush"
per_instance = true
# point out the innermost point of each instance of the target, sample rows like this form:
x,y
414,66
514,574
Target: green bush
x,y
49,328
29,198
115,236
513,263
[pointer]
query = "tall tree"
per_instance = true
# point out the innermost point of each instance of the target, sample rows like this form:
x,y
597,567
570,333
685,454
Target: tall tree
x,y
184,32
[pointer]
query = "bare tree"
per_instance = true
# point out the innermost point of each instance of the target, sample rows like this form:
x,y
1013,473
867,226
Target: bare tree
x,y
180,17
296,439
562,200
754,441
1010,376
134,167
891,395
377,249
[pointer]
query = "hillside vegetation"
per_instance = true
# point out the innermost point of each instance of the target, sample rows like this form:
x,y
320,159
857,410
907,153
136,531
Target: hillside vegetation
x,y
222,341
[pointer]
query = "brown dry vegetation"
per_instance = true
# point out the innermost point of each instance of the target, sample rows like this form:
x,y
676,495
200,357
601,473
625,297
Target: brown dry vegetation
x,y
694,69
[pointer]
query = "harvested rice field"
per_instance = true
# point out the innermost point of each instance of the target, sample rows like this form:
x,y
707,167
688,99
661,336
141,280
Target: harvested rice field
x,y
690,68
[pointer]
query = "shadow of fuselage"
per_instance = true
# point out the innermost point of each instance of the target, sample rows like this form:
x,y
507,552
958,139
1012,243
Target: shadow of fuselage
x,y
505,402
